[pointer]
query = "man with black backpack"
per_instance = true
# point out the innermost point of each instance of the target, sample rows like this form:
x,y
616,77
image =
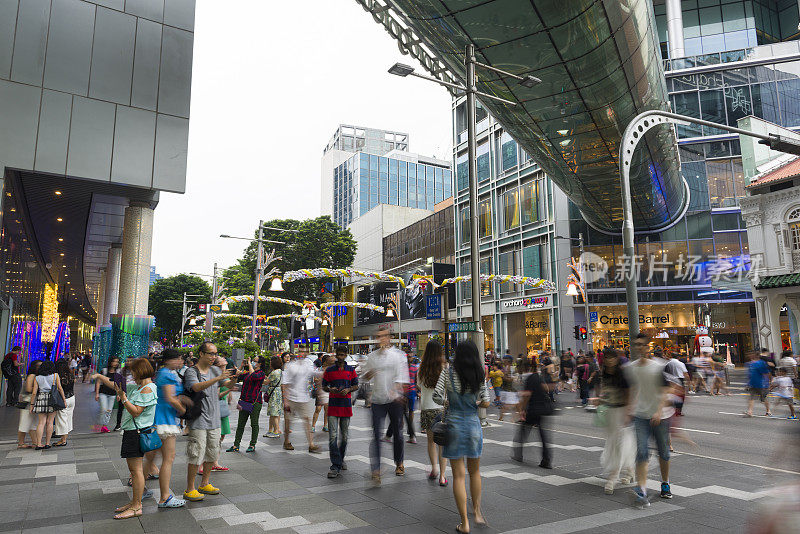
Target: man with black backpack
x,y
201,384
10,368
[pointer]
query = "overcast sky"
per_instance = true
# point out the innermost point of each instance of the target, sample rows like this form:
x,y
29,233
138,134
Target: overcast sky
x,y
271,82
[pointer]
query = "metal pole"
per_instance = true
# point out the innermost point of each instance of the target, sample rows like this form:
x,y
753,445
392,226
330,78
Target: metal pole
x,y
631,297
399,324
183,316
474,250
209,315
585,296
259,269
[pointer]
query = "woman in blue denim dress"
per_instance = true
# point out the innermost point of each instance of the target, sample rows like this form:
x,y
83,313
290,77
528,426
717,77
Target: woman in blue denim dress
x,y
463,388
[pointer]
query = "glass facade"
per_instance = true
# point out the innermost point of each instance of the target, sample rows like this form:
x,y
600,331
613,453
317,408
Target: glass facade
x,y
365,180
712,26
432,237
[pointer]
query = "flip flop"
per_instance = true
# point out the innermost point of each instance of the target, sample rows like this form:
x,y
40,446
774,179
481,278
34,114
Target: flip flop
x,y
444,484
24,446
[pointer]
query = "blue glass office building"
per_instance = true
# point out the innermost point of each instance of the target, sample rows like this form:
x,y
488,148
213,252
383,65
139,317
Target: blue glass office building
x,y
365,180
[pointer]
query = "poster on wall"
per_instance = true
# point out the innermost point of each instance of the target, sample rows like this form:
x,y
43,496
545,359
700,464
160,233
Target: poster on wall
x,y
378,294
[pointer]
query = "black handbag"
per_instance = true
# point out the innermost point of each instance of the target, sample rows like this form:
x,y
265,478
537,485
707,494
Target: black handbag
x,y
442,429
196,397
56,399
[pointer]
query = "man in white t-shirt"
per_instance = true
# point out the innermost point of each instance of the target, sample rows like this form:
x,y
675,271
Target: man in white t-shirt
x,y
387,370
297,402
788,362
676,373
647,380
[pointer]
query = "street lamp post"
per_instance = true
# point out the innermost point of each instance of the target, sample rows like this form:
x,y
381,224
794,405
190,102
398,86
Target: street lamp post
x,y
630,139
261,266
471,91
184,310
216,291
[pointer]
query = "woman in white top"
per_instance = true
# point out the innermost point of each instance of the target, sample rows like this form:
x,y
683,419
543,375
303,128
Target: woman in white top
x,y
46,379
427,378
27,420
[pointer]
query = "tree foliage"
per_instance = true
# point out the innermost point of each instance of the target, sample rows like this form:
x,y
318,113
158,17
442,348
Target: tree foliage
x,y
316,243
169,314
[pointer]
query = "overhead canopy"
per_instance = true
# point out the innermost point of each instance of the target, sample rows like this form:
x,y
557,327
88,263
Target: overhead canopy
x,y
600,66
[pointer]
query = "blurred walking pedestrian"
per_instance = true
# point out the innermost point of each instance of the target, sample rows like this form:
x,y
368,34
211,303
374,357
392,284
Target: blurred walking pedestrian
x,y
63,423
537,405
463,387
620,446
427,378
758,376
297,401
321,396
387,369
646,378
105,394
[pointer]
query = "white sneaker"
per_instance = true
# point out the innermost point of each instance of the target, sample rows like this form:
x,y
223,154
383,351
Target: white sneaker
x,y
609,487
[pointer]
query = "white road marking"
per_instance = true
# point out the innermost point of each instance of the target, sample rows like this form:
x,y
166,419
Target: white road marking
x,y
695,430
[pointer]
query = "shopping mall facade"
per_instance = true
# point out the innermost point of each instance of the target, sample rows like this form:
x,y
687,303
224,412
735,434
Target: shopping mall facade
x,y
717,60
94,102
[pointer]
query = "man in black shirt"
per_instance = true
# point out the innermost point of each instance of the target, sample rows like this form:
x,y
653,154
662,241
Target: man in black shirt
x,y
537,405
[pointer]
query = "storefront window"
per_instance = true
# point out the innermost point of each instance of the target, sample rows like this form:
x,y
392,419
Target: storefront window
x,y
511,209
537,331
485,218
529,201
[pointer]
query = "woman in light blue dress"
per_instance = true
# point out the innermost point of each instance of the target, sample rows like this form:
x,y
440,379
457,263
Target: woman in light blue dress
x,y
462,388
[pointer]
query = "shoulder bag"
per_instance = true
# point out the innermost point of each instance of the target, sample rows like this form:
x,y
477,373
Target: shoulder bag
x,y
272,389
56,399
442,429
148,437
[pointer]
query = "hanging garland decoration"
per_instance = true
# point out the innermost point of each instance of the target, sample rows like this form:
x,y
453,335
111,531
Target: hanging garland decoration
x,y
507,278
288,315
373,307
236,315
322,272
261,298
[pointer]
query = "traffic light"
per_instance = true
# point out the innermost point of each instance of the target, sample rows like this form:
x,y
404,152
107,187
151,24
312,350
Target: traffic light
x,y
577,332
582,331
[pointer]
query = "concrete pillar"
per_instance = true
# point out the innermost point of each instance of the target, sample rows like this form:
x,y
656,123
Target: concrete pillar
x,y
675,29
137,242
111,297
101,297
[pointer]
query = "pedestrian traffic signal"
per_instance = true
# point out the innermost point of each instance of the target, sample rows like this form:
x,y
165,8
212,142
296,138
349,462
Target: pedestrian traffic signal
x,y
582,332
577,332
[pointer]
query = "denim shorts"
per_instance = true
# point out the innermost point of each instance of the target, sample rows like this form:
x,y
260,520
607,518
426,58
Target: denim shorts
x,y
644,429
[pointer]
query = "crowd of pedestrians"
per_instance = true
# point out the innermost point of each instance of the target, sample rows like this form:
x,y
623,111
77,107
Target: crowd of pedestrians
x,y
636,396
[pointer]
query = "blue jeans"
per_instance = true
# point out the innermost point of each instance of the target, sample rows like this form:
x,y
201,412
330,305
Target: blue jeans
x,y
337,440
379,412
106,407
660,432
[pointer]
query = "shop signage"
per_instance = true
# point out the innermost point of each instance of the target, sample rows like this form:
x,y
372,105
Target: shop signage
x,y
433,306
468,326
216,308
643,319
536,324
527,302
593,317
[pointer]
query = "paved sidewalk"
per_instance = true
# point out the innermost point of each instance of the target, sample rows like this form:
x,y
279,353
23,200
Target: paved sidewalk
x,y
76,489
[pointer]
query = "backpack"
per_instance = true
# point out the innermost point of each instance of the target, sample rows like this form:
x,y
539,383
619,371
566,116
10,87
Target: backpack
x,y
6,367
196,397
584,371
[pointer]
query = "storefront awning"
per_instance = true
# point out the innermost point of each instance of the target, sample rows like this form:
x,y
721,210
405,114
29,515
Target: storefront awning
x,y
780,280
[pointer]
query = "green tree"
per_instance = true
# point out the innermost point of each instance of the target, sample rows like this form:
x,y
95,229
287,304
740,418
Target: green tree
x,y
169,314
316,243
